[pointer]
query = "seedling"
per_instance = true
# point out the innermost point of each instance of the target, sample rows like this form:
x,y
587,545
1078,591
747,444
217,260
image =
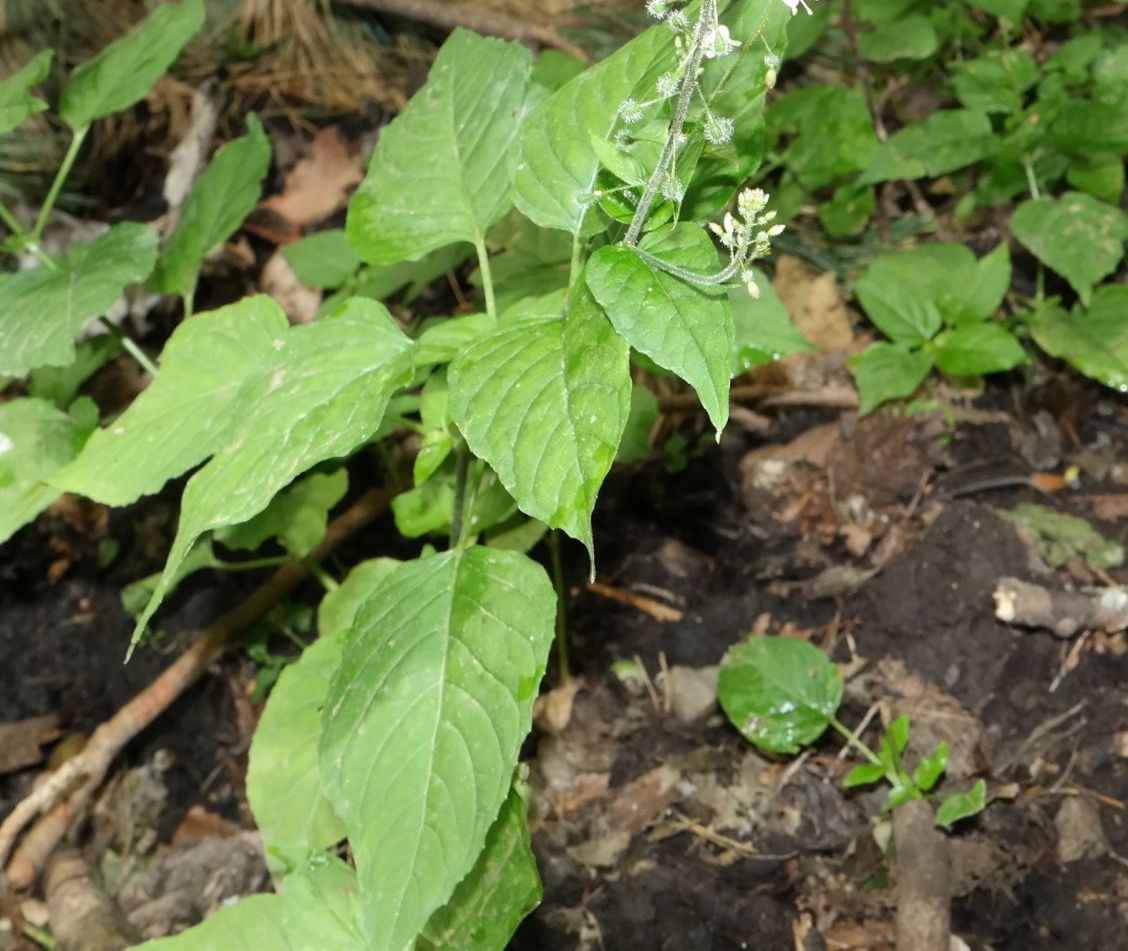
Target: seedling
x,y
782,694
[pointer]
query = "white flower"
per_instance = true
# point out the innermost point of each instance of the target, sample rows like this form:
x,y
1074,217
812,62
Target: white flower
x,y
794,5
718,42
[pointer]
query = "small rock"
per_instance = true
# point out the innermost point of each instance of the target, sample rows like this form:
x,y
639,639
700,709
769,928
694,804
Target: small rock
x,y
1080,834
692,692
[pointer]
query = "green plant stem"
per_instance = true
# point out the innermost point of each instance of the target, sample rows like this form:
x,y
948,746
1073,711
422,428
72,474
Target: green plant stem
x,y
326,580
852,738
466,529
576,267
563,664
187,299
1031,180
487,277
20,232
130,346
12,222
57,185
707,13
253,564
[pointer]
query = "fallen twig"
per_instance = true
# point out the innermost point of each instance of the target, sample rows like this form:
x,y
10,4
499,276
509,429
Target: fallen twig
x,y
89,767
640,602
83,916
923,879
1064,613
448,16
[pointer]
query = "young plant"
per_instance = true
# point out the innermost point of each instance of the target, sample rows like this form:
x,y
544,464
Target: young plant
x,y
783,693
399,729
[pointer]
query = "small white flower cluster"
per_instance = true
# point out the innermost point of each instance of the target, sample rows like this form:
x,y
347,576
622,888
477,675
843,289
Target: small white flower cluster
x,y
748,234
794,5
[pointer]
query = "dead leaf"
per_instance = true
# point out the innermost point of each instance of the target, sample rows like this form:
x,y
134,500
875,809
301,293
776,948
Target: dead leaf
x,y
20,741
552,711
279,282
319,184
1110,507
815,304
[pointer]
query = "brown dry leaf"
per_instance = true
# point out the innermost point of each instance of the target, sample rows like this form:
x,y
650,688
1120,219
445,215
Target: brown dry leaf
x,y
198,824
552,711
815,304
643,799
1110,507
320,184
279,282
20,741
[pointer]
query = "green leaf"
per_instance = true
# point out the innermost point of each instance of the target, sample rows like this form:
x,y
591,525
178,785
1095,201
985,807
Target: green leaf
x,y
555,165
962,805
503,887
338,608
682,327
848,211
1082,127
42,310
321,906
1094,341
16,102
324,397
780,692
552,68
944,142
763,328
996,81
896,736
323,260
635,444
929,770
440,172
1011,10
976,349
126,70
221,198
912,37
544,402
888,371
1075,234
444,339
899,312
136,594
425,509
424,721
863,775
251,924
60,385
1100,176
178,420
297,516
36,439
833,133
283,784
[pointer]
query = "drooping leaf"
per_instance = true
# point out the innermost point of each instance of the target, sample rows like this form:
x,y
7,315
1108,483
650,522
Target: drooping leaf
x,y
888,371
221,198
297,516
1075,234
544,402
947,140
36,439
976,349
122,73
251,924
682,327
503,887
323,398
283,784
16,102
440,174
962,805
178,420
780,692
424,721
41,310
1093,340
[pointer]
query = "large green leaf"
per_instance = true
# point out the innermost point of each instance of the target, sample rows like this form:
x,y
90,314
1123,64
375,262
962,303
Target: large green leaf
x,y
176,423
504,886
36,439
888,371
283,785
1075,234
424,721
780,692
125,70
684,328
221,198
439,174
976,349
251,924
947,140
42,310
1094,341
556,166
544,402
324,397
16,102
